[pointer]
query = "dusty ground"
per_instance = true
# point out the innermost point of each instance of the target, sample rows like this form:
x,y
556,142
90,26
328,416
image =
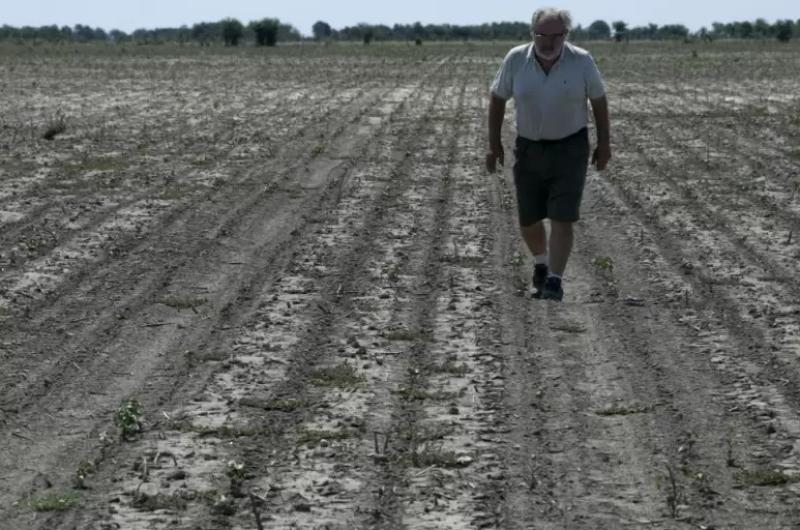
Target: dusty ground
x,y
293,262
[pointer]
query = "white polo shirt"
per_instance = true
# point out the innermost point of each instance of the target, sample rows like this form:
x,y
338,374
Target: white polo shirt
x,y
549,106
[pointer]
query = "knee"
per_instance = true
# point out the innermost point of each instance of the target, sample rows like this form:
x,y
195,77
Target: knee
x,y
534,228
564,227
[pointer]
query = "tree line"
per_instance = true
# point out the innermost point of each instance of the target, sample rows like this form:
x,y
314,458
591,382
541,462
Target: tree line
x,y
269,31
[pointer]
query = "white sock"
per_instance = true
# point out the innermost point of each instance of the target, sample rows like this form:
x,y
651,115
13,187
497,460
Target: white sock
x,y
541,259
553,275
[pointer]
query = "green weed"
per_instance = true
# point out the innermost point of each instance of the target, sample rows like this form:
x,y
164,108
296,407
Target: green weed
x,y
763,477
342,376
314,437
83,471
623,410
285,405
401,335
55,503
420,394
160,501
603,263
183,302
128,418
517,260
450,367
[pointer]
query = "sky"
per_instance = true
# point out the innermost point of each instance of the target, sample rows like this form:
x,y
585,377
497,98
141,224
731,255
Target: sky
x,y
129,15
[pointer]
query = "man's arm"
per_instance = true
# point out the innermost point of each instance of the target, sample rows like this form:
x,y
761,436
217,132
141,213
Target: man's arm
x,y
497,111
602,154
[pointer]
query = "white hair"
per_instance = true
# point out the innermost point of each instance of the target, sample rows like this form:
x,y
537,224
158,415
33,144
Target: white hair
x,y
552,12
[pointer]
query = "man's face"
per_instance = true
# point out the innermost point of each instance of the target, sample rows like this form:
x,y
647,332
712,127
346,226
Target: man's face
x,y
549,35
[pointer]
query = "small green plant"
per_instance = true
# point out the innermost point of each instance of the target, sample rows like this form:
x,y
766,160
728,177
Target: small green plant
x,y
183,302
763,477
401,335
450,367
236,473
224,431
623,410
160,501
83,471
223,506
433,455
314,437
342,375
171,193
517,260
235,470
603,263
420,394
285,405
128,418
568,327
55,503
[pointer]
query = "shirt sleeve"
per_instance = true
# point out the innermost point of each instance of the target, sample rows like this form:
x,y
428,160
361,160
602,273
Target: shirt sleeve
x,y
503,84
595,87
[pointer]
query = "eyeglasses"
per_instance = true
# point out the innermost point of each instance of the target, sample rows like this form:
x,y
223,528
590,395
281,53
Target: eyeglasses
x,y
549,35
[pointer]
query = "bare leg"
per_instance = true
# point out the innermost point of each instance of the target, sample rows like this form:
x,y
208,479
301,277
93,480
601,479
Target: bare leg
x,y
535,237
560,245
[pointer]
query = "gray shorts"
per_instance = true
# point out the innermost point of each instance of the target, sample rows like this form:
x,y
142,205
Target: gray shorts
x,y
549,176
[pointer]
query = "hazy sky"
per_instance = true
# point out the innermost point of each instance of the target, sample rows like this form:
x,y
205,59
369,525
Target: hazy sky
x,y
128,15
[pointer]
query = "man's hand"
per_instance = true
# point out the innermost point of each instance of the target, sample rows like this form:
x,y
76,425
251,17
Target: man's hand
x,y
494,155
497,109
601,156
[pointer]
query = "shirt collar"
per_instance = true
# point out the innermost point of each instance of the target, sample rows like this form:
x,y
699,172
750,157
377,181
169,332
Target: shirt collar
x,y
532,57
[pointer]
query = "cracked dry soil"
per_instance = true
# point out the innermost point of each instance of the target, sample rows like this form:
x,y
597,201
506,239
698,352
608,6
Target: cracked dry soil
x,y
294,263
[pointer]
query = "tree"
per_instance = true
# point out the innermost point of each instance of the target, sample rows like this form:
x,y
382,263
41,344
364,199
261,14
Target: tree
x,y
672,31
620,30
783,30
761,28
204,32
83,33
266,31
322,30
599,30
232,31
744,30
99,34
368,36
117,35
287,32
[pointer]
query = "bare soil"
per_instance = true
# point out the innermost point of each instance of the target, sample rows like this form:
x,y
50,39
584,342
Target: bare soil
x,y
294,262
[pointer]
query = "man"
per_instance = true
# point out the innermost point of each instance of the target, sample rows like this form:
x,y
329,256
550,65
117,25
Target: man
x,y
550,81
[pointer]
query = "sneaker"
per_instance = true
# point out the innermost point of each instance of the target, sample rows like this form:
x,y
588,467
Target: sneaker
x,y
552,289
539,277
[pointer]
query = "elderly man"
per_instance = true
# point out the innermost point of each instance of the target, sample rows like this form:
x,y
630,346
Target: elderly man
x,y
550,81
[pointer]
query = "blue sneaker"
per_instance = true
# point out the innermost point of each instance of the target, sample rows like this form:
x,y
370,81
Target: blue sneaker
x,y
552,289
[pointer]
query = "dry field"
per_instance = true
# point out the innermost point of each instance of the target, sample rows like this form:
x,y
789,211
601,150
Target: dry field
x,y
279,285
